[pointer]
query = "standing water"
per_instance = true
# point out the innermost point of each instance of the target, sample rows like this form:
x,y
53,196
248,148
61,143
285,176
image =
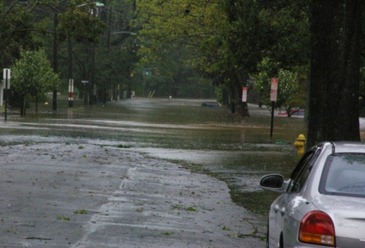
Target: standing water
x,y
198,134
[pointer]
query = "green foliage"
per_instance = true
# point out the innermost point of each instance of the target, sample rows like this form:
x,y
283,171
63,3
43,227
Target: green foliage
x,y
81,22
61,217
81,211
257,32
186,44
266,70
33,25
16,24
114,66
224,39
32,74
286,36
170,41
219,93
291,92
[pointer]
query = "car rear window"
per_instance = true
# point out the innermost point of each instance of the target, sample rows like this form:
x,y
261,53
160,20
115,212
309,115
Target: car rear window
x,y
344,174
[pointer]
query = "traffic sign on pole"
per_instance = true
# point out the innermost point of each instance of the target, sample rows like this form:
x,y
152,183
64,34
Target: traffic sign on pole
x,y
6,73
6,76
70,93
244,94
273,99
274,89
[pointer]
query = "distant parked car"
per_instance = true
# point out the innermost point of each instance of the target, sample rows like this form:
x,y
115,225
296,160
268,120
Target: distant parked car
x,y
293,112
297,113
322,204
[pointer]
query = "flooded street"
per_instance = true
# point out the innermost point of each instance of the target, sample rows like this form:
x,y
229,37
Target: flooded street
x,y
204,140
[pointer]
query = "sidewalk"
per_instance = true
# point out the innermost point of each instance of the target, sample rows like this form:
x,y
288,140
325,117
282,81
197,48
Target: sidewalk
x,y
89,195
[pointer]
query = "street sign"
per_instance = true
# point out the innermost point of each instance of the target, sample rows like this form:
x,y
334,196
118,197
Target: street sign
x,y
70,93
7,76
273,99
244,94
274,89
6,73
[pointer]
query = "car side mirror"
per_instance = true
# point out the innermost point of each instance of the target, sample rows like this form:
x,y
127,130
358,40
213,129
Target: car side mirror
x,y
273,182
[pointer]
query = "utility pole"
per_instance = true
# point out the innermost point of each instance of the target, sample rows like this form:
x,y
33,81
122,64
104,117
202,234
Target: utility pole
x,y
6,76
55,56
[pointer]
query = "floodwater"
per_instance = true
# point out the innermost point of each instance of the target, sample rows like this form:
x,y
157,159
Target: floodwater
x,y
206,139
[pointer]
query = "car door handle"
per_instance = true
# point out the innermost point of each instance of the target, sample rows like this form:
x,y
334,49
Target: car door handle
x,y
278,209
282,211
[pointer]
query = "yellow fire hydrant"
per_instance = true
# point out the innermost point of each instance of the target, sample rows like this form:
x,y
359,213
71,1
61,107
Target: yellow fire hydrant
x,y
299,144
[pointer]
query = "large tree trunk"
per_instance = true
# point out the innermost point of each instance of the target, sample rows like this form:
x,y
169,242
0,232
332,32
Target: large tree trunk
x,y
333,112
55,57
22,105
36,105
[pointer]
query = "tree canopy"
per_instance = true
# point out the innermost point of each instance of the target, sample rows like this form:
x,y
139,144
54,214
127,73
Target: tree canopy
x,y
225,41
32,75
16,22
184,48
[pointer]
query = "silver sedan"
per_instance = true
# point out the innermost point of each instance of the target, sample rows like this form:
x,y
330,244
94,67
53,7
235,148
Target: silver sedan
x,y
322,204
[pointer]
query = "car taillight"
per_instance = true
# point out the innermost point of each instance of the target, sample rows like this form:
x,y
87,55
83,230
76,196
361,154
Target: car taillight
x,y
317,228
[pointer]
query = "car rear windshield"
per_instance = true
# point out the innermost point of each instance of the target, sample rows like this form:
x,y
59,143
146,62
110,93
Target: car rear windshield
x,y
344,174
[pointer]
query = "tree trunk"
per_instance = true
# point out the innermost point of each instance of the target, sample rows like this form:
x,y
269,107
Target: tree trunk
x,y
232,99
55,57
245,111
36,105
22,105
241,81
333,112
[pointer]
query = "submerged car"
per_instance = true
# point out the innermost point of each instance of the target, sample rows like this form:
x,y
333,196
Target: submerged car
x,y
322,204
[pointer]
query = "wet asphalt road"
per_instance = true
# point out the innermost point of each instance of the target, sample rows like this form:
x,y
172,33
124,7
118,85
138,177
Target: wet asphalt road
x,y
60,191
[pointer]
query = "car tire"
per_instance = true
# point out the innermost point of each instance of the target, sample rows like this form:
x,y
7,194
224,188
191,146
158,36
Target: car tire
x,y
267,235
281,241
